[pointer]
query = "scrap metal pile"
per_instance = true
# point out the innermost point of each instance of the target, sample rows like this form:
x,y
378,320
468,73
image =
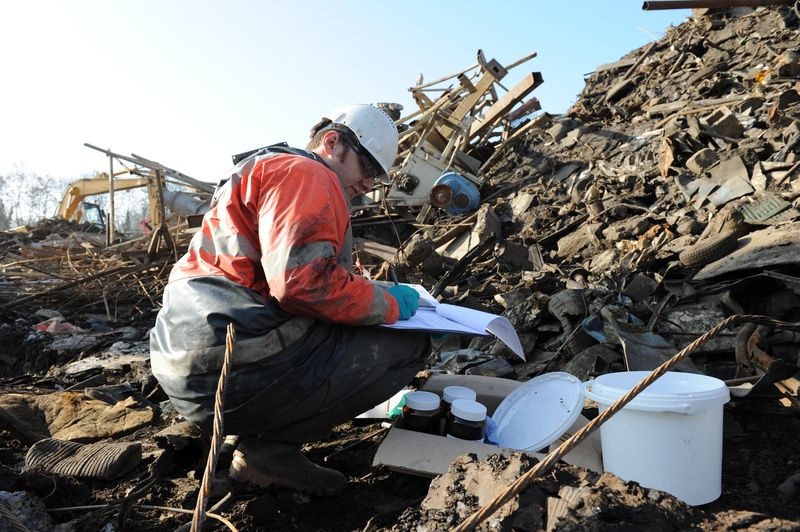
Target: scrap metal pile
x,y
660,203
612,236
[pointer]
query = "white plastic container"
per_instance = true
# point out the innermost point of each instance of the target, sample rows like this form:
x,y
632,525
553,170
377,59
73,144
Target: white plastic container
x,y
669,437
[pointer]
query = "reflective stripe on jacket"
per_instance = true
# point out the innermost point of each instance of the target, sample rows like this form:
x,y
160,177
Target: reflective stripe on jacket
x,y
281,227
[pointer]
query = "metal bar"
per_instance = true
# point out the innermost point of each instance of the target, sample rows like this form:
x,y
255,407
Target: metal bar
x,y
445,78
451,76
691,4
521,60
110,221
141,161
196,183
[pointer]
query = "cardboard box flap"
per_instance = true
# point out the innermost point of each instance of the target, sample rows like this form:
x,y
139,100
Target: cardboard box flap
x,y
429,455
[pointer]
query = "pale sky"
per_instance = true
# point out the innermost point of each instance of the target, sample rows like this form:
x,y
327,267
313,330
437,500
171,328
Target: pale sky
x,y
188,83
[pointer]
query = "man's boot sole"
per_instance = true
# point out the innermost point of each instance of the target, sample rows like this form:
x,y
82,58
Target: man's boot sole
x,y
240,472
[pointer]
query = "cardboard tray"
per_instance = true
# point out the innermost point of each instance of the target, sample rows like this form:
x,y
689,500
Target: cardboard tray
x,y
429,455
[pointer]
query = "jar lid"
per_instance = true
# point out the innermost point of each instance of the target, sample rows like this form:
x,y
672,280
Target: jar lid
x,y
451,393
468,410
424,401
538,412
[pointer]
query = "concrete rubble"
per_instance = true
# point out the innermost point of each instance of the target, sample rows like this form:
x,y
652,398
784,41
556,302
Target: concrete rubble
x,y
664,201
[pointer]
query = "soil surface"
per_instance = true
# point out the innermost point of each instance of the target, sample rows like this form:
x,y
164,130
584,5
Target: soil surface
x,y
760,450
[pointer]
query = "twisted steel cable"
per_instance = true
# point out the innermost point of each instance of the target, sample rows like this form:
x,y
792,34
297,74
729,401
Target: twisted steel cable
x,y
548,461
216,438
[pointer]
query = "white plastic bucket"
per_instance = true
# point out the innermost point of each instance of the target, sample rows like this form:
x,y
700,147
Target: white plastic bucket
x,y
669,437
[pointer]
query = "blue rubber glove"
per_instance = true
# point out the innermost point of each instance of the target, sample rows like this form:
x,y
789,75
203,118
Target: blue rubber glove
x,y
407,300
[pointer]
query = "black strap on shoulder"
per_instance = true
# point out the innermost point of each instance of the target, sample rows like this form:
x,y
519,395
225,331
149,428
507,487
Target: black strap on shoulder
x,y
281,147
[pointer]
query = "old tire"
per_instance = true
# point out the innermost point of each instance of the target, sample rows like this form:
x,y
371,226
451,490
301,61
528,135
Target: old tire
x,y
709,249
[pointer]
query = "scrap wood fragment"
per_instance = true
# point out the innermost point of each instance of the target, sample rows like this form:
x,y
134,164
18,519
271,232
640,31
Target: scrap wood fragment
x,y
375,249
446,134
489,118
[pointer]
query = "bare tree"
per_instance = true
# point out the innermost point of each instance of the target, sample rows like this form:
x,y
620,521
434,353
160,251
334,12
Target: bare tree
x,y
42,195
13,186
5,218
27,197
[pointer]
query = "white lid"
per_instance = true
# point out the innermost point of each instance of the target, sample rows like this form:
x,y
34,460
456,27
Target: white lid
x,y
425,401
538,412
451,393
468,410
675,392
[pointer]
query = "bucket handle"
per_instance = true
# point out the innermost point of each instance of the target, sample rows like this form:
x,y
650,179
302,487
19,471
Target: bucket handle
x,y
687,409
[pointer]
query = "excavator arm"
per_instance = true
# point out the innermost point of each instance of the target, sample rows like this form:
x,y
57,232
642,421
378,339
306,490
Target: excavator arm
x,y
77,191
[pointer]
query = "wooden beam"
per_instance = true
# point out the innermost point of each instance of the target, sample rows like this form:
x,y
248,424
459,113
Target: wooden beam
x,y
375,249
466,83
494,73
504,104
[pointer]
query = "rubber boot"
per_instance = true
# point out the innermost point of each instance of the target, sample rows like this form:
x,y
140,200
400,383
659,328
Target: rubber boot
x,y
263,463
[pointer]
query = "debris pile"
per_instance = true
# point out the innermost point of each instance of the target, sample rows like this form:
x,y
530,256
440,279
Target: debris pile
x,y
447,138
66,265
599,230
78,261
662,202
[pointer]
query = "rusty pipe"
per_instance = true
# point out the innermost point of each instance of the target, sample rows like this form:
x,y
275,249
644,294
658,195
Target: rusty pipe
x,y
789,386
721,4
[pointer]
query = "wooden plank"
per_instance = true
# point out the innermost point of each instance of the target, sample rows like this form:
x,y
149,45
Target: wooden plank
x,y
504,104
494,72
422,100
466,105
466,83
375,249
622,63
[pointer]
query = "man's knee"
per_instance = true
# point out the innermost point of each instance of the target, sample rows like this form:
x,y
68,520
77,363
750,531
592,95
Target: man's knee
x,y
404,348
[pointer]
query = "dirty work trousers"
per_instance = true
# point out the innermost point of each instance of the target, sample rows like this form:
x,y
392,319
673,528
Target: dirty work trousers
x,y
328,377
370,366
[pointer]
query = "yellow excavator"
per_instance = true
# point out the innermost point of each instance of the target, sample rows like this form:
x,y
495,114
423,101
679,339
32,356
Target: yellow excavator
x,y
189,204
75,208
144,173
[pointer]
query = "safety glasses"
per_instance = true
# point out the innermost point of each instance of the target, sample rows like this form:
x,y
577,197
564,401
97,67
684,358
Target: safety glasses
x,y
370,167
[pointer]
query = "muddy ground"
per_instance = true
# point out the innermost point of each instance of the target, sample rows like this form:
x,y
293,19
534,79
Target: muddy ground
x,y
760,454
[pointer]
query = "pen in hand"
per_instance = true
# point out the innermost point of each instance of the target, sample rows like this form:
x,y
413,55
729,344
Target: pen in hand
x,y
421,302
407,298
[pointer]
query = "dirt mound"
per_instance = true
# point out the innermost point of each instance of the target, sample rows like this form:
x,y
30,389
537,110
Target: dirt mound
x,y
567,498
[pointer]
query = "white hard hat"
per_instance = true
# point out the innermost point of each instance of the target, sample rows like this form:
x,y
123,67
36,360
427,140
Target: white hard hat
x,y
374,129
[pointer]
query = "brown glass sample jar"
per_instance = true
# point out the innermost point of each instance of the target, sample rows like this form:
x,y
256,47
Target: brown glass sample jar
x,y
451,393
467,420
421,412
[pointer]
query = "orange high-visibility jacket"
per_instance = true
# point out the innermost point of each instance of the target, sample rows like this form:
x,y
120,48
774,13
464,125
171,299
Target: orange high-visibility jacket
x,y
281,227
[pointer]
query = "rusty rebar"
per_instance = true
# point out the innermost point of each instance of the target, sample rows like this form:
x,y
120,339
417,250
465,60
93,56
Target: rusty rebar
x,y
718,4
216,438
